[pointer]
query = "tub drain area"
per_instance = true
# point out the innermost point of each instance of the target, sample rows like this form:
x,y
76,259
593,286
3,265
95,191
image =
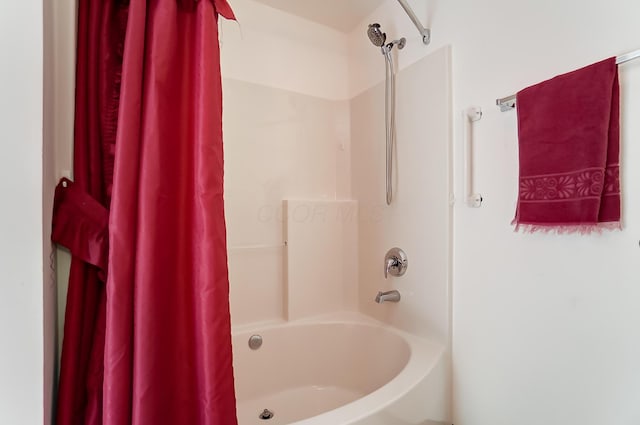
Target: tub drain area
x,y
266,415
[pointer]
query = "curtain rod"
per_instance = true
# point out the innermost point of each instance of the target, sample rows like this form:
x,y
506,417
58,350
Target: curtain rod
x,y
508,103
425,32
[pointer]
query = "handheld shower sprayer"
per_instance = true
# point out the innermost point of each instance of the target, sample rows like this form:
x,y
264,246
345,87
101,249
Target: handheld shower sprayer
x,y
376,35
379,38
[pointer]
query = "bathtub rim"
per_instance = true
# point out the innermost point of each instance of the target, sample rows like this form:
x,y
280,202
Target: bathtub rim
x,y
424,355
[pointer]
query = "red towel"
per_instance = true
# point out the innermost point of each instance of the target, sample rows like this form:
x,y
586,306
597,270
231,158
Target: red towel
x,y
569,138
81,224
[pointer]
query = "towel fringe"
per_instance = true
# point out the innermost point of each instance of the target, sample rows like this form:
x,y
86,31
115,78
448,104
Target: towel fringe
x,y
583,229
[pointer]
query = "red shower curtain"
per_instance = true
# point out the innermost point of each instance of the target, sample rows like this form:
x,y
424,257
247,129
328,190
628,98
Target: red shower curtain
x,y
152,345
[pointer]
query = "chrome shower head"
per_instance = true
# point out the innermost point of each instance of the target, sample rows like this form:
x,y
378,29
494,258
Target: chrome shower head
x,y
376,35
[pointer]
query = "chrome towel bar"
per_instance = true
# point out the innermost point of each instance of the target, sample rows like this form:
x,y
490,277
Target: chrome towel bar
x,y
508,103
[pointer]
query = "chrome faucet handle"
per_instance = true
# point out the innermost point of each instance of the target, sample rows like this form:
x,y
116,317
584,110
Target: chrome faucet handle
x,y
390,263
395,263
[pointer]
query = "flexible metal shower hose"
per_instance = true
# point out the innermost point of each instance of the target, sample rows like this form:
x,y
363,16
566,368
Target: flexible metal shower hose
x,y
390,122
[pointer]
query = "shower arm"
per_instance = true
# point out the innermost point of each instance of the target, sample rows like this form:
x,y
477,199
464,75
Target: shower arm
x,y
425,32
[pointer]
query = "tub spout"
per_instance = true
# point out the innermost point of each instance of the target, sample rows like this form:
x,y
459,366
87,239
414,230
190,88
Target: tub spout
x,y
390,296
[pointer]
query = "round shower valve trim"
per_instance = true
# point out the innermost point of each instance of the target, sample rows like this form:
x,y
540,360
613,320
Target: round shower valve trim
x,y
395,263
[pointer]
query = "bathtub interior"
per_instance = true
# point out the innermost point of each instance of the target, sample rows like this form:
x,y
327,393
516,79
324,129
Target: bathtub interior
x,y
304,370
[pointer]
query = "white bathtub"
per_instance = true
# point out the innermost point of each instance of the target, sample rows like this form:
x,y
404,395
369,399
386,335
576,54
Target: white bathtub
x,y
339,371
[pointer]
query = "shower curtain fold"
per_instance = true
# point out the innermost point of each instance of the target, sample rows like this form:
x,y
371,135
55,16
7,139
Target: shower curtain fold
x,y
152,345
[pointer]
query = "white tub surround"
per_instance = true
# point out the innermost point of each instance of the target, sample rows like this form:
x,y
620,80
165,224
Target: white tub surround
x,y
321,272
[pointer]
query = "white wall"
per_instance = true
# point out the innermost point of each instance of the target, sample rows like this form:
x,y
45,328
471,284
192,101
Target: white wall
x,y
22,292
545,326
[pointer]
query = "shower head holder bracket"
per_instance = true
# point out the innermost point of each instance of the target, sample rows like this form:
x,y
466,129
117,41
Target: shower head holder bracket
x,y
386,48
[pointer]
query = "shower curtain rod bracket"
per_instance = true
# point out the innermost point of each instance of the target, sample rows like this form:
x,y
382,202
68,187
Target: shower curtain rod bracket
x,y
425,32
426,36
